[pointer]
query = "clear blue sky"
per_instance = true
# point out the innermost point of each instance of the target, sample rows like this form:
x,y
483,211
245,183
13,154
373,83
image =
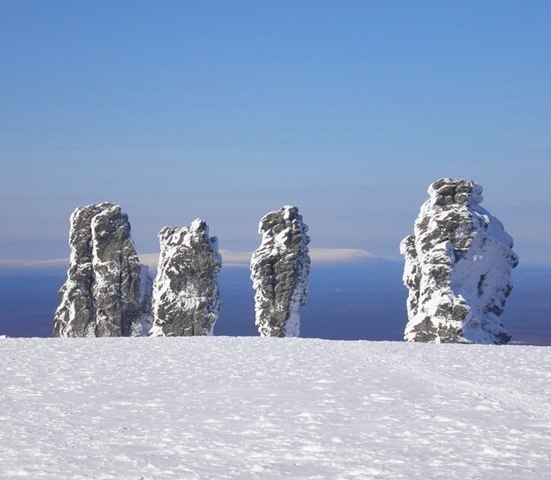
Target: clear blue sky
x,y
227,110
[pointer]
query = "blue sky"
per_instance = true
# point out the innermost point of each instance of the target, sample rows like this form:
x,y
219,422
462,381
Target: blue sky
x,y
228,110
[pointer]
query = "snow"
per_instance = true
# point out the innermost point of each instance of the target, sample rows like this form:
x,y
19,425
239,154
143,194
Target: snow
x,y
232,408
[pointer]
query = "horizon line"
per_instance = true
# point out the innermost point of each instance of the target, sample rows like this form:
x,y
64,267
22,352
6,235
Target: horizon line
x,y
230,258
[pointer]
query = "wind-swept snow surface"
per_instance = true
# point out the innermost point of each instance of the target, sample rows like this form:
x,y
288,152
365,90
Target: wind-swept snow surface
x,y
234,408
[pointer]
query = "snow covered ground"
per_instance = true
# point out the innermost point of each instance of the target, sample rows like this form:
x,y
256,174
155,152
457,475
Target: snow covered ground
x,y
246,408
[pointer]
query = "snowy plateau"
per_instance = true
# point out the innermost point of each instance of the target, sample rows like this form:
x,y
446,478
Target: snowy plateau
x,y
271,408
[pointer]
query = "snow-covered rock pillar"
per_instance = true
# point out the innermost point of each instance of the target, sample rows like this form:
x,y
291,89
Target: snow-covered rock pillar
x,y
101,297
457,268
279,271
186,297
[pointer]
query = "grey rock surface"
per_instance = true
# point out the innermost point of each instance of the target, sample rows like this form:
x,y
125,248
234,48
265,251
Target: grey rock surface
x,y
279,271
101,297
186,299
457,268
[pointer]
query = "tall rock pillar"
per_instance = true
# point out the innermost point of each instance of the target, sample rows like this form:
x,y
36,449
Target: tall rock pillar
x,y
101,297
186,297
457,268
279,271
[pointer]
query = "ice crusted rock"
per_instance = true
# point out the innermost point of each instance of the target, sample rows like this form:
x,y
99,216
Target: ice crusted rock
x,y
186,298
279,271
101,297
457,268
146,310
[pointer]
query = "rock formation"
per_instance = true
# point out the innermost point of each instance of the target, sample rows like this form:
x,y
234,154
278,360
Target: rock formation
x,y
101,297
279,271
457,268
186,298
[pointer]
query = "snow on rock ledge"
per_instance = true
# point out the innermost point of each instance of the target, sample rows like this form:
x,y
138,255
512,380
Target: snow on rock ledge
x,y
457,268
279,271
102,295
185,292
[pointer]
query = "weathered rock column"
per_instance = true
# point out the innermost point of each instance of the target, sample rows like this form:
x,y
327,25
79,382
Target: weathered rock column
x,y
457,268
186,297
101,297
279,271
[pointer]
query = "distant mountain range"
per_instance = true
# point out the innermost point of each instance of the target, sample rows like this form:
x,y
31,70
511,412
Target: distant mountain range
x,y
230,258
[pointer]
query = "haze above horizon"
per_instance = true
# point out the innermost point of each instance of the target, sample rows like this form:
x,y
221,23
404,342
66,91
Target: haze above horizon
x,y
226,111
